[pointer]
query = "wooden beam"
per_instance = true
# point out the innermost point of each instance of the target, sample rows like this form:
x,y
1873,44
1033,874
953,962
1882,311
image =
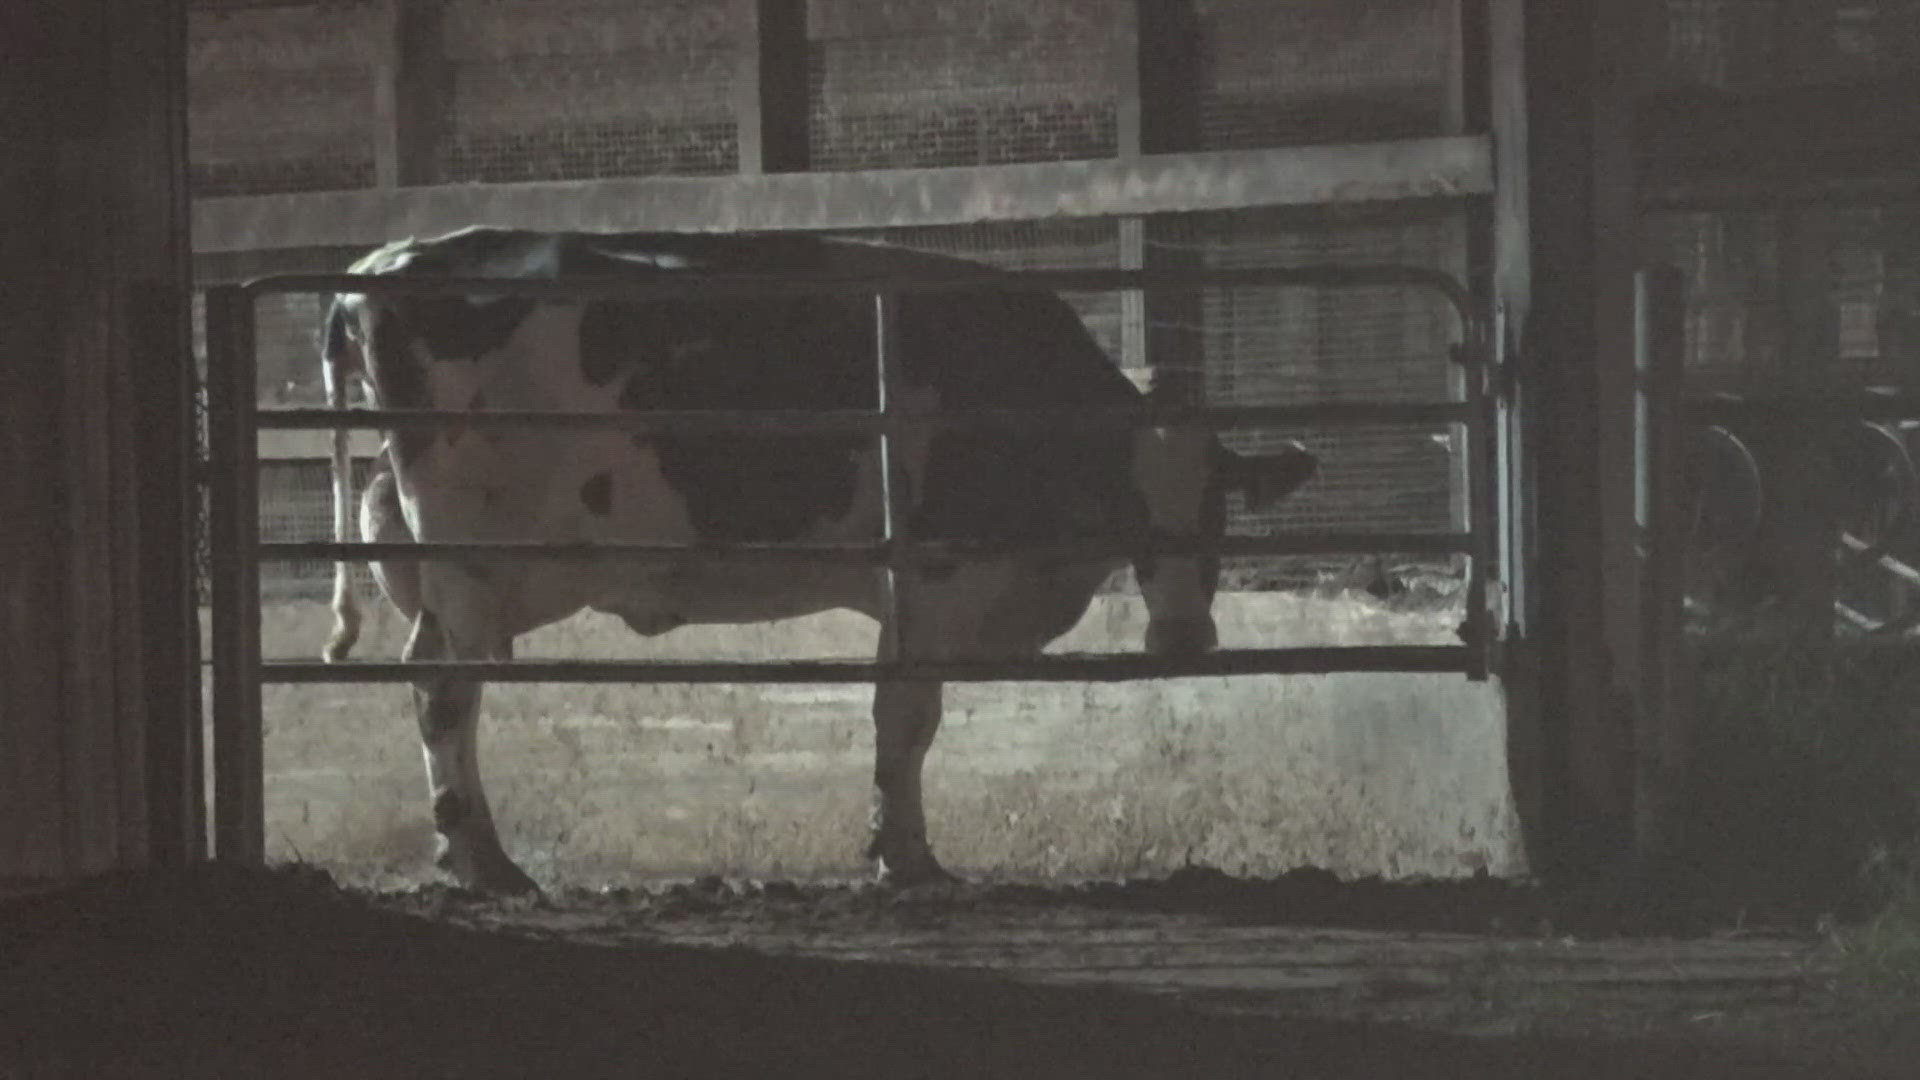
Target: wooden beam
x,y
1803,519
1159,113
412,93
770,87
1159,90
1609,769
235,267
1663,730
1496,104
1463,25
892,198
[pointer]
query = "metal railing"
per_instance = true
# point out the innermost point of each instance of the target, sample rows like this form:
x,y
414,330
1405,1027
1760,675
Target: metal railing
x,y
239,671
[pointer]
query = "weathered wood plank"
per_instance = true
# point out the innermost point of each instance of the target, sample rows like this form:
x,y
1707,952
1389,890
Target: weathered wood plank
x,y
1444,167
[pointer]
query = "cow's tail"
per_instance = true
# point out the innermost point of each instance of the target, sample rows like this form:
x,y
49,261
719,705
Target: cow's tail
x,y
346,611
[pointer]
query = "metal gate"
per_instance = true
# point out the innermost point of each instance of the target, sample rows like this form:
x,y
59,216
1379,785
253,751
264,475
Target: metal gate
x,y
236,420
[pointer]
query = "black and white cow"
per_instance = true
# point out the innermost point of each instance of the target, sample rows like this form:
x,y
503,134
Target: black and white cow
x,y
973,349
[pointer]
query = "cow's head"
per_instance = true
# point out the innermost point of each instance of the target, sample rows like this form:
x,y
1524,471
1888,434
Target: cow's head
x,y
1185,475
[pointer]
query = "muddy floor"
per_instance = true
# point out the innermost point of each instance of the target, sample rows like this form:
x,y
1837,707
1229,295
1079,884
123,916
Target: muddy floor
x,y
222,972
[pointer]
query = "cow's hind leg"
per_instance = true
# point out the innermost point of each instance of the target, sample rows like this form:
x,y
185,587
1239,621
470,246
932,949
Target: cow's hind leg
x,y
448,709
1005,610
905,717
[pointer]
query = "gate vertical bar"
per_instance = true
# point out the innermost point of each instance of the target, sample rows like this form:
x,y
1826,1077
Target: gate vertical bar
x,y
893,494
1476,356
1660,736
233,473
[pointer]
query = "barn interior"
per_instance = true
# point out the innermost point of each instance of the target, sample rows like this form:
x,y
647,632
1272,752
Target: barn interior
x,y
1635,684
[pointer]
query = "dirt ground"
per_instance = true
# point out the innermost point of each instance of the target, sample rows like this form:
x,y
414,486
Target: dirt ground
x,y
224,972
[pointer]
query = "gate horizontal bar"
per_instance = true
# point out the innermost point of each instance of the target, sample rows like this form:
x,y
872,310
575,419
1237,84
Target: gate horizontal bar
x,y
1064,667
867,422
688,284
1899,405
878,552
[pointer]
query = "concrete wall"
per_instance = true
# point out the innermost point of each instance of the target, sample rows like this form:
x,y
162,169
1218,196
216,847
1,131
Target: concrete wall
x,y
1361,774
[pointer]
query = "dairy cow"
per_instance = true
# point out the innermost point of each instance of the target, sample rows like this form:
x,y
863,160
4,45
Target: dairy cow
x,y
958,350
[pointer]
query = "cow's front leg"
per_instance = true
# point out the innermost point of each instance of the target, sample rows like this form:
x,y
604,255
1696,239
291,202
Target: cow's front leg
x,y
905,717
448,709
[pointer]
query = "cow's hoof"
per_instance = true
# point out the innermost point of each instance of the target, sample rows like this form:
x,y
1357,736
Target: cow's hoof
x,y
487,870
911,872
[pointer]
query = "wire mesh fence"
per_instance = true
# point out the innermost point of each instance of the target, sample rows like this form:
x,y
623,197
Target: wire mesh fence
x,y
1863,264
281,98
1764,44
1320,71
962,82
578,89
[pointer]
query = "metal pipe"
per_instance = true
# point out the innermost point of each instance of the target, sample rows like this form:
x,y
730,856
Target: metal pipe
x,y
1477,355
893,486
1059,667
1795,409
867,422
697,285
880,552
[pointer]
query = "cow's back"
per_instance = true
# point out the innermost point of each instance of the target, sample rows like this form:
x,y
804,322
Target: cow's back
x,y
963,349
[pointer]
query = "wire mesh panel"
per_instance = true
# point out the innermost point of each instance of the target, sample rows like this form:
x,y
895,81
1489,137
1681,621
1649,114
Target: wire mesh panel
x,y
1320,71
1737,44
280,99
1731,262
1264,346
573,89
296,503
960,82
1736,343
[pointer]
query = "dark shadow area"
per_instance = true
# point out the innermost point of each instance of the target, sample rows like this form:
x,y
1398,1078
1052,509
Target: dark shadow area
x,y
223,972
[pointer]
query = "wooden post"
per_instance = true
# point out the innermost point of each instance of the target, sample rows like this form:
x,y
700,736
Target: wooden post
x,y
97,764
1469,257
1158,113
412,94
1546,70
770,87
1606,750
234,520
1496,102
1663,720
1802,453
